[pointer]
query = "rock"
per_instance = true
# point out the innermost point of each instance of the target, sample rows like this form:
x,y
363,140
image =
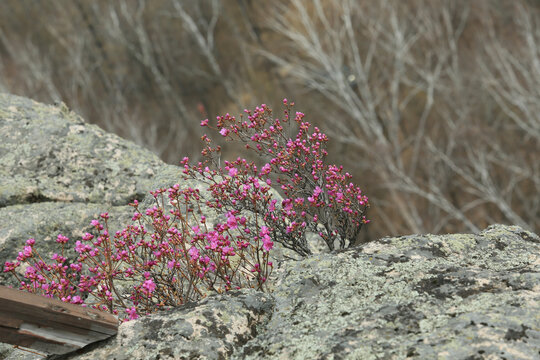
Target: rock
x,y
49,154
460,296
457,296
209,329
57,173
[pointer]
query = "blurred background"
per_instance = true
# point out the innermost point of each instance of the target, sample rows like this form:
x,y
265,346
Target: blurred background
x,y
432,105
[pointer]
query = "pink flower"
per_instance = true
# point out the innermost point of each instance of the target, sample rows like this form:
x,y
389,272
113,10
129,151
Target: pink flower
x,y
204,122
267,243
80,247
227,251
212,238
266,169
233,172
27,252
76,267
132,312
194,253
272,205
264,231
287,204
224,131
149,286
8,266
204,260
61,239
231,221
241,244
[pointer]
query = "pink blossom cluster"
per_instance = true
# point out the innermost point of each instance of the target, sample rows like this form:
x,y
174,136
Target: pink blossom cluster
x,y
167,266
317,198
172,253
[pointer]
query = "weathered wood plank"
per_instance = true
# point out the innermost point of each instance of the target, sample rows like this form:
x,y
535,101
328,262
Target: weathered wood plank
x,y
50,325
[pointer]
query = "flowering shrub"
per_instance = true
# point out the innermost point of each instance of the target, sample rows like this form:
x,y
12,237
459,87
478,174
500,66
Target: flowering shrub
x,y
318,198
171,253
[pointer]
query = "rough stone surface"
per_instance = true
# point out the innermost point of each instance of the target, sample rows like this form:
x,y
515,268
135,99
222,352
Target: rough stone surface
x,y
461,296
49,154
210,329
457,296
57,173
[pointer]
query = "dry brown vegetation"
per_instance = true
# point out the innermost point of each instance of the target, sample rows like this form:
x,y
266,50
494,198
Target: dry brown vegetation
x,y
434,105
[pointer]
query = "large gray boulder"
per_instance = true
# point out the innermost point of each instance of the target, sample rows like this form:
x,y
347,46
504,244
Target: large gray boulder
x,y
57,173
458,296
49,154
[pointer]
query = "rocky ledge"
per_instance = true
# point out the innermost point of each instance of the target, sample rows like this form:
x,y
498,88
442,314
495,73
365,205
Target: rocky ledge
x,y
457,296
